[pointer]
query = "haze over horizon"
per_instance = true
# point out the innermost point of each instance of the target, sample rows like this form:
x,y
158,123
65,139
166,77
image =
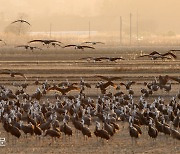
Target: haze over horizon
x,y
154,16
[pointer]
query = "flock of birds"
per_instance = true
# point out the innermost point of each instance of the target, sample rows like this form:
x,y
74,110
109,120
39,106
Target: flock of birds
x,y
23,113
155,55
54,43
85,45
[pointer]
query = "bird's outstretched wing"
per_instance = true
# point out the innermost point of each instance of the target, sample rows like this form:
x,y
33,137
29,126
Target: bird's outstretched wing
x,y
174,78
117,58
84,46
70,45
103,57
86,42
20,74
35,41
123,84
26,22
170,53
21,21
51,41
100,58
89,42
19,46
5,72
62,90
8,70
154,53
54,88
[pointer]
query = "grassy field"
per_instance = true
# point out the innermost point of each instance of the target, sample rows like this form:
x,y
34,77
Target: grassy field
x,y
61,64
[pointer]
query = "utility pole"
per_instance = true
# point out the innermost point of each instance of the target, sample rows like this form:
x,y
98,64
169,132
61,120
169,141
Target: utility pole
x,y
137,27
89,30
120,31
130,30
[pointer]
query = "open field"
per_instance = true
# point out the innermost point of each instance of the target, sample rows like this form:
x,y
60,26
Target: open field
x,y
61,64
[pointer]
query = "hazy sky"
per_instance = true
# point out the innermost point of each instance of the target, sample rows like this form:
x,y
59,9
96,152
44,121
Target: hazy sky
x,y
154,15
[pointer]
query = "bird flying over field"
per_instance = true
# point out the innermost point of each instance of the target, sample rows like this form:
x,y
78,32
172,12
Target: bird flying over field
x,y
3,41
13,74
63,90
45,42
165,54
28,47
93,58
21,21
164,79
93,43
154,57
115,58
103,58
78,46
128,84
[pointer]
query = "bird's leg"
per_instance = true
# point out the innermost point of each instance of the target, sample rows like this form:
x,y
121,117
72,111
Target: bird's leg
x,y
15,141
8,137
103,141
132,141
136,141
69,138
122,125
